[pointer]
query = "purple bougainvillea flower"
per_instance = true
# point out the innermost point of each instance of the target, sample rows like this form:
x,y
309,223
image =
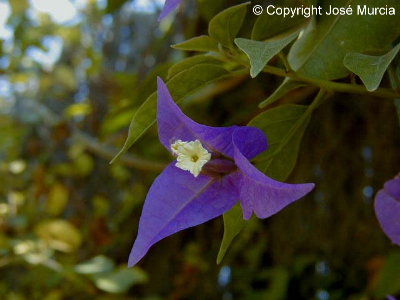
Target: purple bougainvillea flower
x,y
391,298
387,209
211,173
169,6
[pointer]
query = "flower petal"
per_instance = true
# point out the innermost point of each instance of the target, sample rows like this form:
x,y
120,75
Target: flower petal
x,y
260,193
392,187
176,201
169,6
174,125
387,209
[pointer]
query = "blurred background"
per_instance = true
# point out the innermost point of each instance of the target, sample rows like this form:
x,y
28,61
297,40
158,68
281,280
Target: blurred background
x,y
72,73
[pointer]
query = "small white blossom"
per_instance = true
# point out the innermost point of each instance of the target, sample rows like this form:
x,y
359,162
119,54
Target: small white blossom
x,y
191,156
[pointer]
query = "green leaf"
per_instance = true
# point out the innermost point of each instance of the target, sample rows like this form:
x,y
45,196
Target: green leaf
x,y
208,9
225,26
198,43
369,68
260,53
389,280
190,62
149,84
268,26
120,280
286,86
284,126
320,51
233,224
98,264
180,86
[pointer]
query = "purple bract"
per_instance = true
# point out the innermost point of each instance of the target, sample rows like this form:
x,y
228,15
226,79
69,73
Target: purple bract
x,y
387,209
169,6
212,173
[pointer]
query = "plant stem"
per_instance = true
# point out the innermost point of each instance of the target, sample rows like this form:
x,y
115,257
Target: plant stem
x,y
107,152
285,61
331,85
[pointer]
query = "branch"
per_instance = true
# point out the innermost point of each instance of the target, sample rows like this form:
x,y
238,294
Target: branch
x,y
108,152
333,86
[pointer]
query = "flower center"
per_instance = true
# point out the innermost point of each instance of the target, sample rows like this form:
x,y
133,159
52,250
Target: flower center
x,y
191,156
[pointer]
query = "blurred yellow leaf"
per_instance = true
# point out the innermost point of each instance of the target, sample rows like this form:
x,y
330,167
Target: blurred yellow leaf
x,y
83,164
77,110
59,234
57,199
19,7
120,280
65,76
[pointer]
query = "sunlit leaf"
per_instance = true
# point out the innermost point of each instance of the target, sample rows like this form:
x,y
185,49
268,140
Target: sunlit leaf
x,y
370,68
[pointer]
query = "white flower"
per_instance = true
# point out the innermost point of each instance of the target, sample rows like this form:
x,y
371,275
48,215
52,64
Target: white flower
x,y
191,156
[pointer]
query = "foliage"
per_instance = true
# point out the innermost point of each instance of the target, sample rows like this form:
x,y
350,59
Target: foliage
x,y
325,91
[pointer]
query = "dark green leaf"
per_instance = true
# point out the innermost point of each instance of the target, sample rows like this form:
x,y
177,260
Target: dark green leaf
x,y
190,62
260,53
198,43
320,51
208,9
389,280
287,85
284,127
233,224
181,85
369,68
148,85
225,26
268,26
